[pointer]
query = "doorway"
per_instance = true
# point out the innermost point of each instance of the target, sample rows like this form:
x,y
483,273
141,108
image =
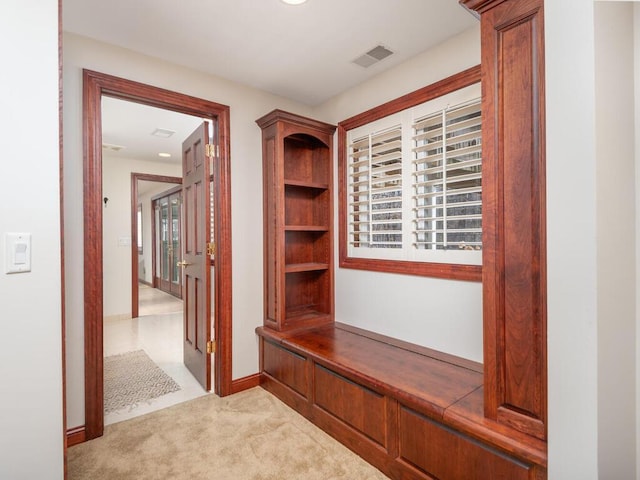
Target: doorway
x,y
95,86
145,189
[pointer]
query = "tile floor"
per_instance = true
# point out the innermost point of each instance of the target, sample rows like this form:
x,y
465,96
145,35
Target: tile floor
x,y
159,334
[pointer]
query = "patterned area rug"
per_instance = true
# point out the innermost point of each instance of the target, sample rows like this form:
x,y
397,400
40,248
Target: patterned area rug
x,y
131,378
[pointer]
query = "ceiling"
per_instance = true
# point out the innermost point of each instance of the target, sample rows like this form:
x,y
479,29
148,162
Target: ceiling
x,y
130,126
303,52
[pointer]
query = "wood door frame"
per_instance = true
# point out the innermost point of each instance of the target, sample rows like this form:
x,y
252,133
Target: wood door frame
x,y
135,305
95,85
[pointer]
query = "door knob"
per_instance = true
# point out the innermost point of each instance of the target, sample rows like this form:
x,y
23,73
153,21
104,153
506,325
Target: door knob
x,y
183,264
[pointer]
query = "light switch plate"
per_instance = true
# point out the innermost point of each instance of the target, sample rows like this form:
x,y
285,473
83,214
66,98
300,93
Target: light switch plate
x,y
17,253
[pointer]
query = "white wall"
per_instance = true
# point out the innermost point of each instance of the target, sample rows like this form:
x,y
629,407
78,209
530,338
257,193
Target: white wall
x,y
572,334
615,184
31,442
441,314
116,225
246,191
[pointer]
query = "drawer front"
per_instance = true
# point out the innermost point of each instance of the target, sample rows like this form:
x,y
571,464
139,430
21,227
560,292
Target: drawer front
x,y
286,367
354,404
448,455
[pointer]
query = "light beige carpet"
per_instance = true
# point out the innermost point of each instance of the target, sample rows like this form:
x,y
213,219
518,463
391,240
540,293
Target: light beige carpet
x,y
247,436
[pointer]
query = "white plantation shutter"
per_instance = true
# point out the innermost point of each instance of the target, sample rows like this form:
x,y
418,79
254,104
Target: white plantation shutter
x,y
447,179
375,190
414,183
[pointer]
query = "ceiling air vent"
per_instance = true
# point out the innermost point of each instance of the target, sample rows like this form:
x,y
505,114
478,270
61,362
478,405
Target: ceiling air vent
x,y
373,56
162,132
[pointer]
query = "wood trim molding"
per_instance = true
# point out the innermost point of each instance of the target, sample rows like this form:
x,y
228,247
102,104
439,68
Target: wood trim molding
x,y
438,89
135,177
95,85
93,268
438,270
245,383
76,435
63,324
514,216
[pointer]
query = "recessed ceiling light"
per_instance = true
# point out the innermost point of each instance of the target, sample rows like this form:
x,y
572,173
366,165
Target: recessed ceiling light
x,y
293,2
164,155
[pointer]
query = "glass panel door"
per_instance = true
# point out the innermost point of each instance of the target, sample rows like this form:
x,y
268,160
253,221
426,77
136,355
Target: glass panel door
x,y
168,212
176,248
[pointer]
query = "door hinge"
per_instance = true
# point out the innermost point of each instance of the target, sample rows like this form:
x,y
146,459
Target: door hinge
x,y
211,347
211,248
211,150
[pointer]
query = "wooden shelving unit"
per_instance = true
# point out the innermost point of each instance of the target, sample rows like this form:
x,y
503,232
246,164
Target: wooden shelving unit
x,y
298,218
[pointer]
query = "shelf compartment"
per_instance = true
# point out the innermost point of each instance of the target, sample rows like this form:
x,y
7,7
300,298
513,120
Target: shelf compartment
x,y
311,247
306,206
307,159
305,297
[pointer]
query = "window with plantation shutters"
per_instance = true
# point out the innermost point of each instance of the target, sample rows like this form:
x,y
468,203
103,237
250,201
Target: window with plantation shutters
x,y
375,190
447,179
412,189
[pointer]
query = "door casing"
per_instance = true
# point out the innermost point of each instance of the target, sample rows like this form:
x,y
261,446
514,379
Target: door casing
x,y
95,85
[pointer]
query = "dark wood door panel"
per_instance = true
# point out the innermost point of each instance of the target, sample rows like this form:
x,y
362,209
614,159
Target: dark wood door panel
x,y
195,261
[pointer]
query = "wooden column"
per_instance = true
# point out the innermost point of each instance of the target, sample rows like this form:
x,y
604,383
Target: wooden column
x,y
514,218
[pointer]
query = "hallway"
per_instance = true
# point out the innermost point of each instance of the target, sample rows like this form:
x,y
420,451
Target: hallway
x,y
158,331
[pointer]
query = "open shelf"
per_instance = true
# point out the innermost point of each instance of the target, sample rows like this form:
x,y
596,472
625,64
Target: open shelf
x,y
306,159
305,267
300,183
306,206
306,228
298,180
311,246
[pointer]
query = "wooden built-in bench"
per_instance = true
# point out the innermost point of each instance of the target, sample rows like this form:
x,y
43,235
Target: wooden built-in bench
x,y
413,412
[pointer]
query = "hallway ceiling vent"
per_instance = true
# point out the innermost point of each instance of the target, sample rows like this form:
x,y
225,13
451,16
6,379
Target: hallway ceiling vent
x,y
373,56
162,132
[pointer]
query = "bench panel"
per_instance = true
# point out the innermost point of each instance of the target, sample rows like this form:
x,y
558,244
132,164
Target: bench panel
x,y
447,454
286,366
358,406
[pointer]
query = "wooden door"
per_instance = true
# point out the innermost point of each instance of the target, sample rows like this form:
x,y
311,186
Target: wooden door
x,y
195,260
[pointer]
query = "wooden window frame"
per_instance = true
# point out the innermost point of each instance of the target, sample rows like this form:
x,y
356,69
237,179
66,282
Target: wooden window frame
x,y
430,269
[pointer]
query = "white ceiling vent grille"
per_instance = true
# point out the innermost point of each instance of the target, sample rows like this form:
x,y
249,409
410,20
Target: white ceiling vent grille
x,y
373,56
162,132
